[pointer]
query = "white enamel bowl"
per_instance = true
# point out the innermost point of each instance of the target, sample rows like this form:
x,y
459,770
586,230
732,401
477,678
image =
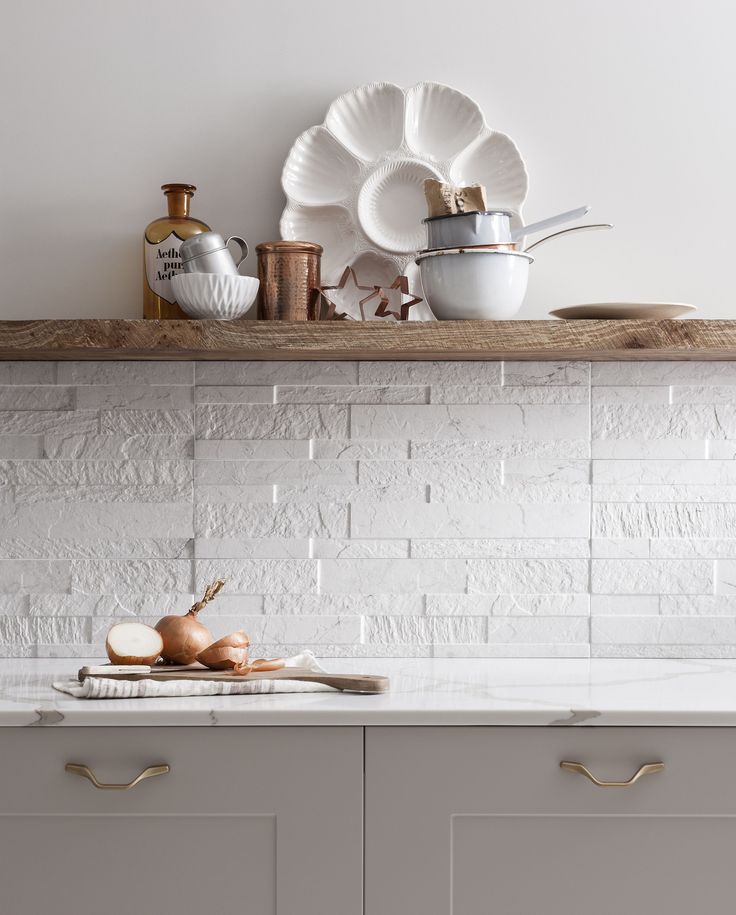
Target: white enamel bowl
x,y
474,284
214,295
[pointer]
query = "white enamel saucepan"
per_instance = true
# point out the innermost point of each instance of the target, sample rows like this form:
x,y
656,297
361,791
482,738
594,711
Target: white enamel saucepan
x,y
493,227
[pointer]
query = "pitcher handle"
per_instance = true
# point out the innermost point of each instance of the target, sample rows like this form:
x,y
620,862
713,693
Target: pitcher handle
x,y
242,244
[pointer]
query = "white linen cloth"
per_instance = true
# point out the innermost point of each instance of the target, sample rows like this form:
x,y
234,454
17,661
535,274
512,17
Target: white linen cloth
x,y
102,688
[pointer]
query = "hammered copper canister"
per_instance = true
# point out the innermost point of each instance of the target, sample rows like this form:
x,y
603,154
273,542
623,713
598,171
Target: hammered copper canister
x,y
289,272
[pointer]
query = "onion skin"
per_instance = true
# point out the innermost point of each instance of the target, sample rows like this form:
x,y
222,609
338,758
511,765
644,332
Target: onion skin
x,y
228,653
227,658
184,637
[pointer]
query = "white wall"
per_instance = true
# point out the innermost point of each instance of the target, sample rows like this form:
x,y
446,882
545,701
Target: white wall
x,y
626,105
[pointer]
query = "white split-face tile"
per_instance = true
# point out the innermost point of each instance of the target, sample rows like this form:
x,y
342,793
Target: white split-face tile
x,y
253,472
240,393
415,630
271,373
636,394
386,576
134,397
428,471
651,450
663,630
37,397
620,548
504,394
539,629
507,605
627,604
493,421
252,548
230,493
663,373
501,548
250,576
146,373
36,422
359,449
664,520
546,373
652,576
477,449
95,446
20,446
366,394
693,549
528,576
460,519
423,373
112,521
656,473
288,520
693,422
726,576
28,373
307,485
527,470
282,421
359,549
266,449
666,493
344,494
342,604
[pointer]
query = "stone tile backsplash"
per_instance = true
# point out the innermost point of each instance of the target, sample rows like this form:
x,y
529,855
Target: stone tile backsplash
x,y
380,509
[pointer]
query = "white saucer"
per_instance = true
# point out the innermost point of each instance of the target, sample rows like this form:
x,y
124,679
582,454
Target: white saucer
x,y
612,311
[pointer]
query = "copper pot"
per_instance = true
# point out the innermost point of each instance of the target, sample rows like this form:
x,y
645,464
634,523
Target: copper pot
x,y
289,272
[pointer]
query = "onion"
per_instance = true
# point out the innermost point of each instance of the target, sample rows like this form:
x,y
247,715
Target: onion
x,y
184,636
133,643
228,653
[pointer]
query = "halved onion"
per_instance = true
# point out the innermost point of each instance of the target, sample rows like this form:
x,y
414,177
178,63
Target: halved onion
x,y
133,643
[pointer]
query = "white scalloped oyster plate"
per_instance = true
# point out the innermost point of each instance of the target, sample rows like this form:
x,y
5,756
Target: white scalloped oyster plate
x,y
355,183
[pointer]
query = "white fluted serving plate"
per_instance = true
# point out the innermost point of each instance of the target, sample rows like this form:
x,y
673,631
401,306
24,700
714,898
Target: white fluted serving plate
x,y
355,183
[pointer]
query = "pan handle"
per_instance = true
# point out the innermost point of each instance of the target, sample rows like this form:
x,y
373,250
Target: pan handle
x,y
541,241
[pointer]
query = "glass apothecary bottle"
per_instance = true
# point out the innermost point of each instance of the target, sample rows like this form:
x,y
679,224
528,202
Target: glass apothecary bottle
x,y
161,243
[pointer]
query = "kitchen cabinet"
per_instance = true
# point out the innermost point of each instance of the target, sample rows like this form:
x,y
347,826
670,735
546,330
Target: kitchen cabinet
x,y
260,820
469,820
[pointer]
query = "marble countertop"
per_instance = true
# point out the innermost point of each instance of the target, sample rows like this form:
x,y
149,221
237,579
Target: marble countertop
x,y
423,692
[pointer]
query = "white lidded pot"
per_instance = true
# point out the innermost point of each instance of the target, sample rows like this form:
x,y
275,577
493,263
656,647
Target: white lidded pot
x,y
474,284
456,230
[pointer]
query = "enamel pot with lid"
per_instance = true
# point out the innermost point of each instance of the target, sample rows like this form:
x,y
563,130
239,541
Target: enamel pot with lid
x,y
457,230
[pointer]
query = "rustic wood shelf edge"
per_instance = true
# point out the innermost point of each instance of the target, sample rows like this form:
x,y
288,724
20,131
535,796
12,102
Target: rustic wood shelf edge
x,y
91,339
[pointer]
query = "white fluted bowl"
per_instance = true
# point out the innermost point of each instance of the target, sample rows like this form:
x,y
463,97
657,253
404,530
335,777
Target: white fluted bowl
x,y
474,284
214,295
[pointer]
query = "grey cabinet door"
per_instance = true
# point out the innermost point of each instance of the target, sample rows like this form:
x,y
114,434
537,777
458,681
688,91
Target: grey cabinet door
x,y
266,821
483,821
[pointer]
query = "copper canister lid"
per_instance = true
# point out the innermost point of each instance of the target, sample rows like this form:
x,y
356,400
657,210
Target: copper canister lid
x,y
289,247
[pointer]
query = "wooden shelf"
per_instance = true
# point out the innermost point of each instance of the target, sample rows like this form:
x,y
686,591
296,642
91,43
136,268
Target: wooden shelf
x,y
441,340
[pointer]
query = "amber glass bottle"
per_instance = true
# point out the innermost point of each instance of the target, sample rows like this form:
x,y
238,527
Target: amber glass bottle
x,y
161,243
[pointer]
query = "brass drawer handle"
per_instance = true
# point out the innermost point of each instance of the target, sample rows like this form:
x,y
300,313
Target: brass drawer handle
x,y
86,772
647,769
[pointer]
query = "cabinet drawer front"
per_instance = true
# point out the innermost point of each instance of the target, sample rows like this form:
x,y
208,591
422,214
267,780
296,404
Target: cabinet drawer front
x,y
213,771
508,770
478,820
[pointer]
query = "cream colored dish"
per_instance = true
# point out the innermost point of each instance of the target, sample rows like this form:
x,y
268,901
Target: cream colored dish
x,y
613,311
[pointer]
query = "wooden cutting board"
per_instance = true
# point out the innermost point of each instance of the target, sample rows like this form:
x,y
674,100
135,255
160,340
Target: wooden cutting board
x,y
352,683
